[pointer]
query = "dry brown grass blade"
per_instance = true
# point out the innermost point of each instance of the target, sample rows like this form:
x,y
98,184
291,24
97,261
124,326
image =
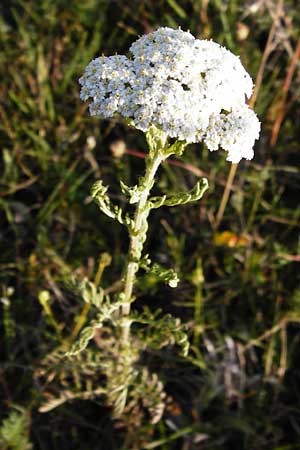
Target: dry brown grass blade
x,y
226,194
258,81
18,187
266,54
285,89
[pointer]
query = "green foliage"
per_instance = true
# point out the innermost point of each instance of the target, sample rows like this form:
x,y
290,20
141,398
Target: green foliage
x,y
168,276
74,378
85,337
106,309
156,140
180,198
14,432
102,199
161,331
91,293
133,193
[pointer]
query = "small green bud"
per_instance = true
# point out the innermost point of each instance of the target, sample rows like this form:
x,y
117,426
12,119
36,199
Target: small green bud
x,y
44,296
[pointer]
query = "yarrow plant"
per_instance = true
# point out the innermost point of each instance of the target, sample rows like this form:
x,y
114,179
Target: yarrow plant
x,y
192,90
177,90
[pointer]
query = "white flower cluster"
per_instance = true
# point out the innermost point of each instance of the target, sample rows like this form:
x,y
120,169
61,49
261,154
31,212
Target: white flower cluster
x,y
194,90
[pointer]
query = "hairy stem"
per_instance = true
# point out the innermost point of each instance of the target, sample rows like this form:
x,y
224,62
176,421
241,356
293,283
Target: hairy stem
x,y
138,236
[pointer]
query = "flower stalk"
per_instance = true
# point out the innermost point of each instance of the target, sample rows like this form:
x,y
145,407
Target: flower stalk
x,y
138,234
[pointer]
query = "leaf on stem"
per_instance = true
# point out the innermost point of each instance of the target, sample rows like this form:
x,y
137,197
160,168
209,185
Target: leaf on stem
x,y
176,149
182,197
86,335
168,276
134,193
98,193
162,331
90,293
156,140
106,313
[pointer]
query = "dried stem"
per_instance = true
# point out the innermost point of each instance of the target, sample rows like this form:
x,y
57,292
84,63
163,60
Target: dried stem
x,y
226,193
258,81
285,89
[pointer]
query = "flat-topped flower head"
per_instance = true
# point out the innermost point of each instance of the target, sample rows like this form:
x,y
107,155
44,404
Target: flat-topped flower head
x,y
194,90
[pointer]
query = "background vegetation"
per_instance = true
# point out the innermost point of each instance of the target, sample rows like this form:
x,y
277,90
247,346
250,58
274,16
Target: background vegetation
x,y
238,259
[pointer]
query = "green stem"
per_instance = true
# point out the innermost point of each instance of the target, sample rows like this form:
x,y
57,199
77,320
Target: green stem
x,y
137,237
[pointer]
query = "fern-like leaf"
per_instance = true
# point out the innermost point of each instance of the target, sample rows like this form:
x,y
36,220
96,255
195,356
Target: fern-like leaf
x,y
13,432
181,198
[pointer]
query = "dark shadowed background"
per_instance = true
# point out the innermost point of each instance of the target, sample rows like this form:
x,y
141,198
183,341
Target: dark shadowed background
x,y
238,259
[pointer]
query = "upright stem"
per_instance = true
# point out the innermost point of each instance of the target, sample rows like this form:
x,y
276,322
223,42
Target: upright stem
x,y
137,237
